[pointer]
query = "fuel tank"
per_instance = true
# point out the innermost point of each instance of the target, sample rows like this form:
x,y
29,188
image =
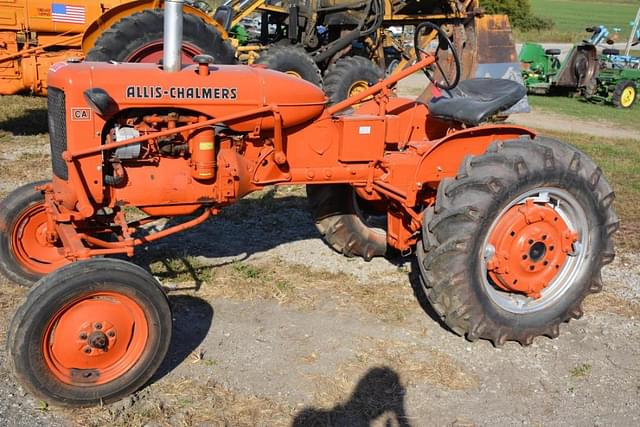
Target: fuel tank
x,y
227,89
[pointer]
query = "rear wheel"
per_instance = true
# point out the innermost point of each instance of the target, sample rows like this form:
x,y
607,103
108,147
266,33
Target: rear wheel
x,y
292,60
517,241
139,38
91,332
345,222
625,94
349,77
26,253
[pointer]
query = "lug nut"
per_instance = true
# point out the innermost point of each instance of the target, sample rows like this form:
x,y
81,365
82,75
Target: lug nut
x,y
111,334
98,325
87,350
83,335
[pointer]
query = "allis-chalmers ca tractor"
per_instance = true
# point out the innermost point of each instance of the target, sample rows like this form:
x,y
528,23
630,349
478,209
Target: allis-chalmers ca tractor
x,y
511,229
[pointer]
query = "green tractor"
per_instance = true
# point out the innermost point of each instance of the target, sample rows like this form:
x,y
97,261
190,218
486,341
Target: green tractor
x,y
617,82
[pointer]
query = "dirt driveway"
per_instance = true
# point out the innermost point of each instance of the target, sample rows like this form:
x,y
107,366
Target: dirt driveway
x,y
272,328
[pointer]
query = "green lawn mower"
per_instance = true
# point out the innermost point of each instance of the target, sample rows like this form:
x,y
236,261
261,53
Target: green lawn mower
x,y
544,73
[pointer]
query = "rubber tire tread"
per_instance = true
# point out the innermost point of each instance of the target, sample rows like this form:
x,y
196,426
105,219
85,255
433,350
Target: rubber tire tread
x,y
340,225
465,208
11,208
55,289
616,98
345,72
132,32
285,58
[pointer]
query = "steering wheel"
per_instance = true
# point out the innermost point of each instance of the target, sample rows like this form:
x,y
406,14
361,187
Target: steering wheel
x,y
444,44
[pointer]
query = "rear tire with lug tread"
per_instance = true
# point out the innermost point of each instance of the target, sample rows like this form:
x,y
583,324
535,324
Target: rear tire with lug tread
x,y
350,76
92,332
454,254
342,224
139,38
25,257
292,60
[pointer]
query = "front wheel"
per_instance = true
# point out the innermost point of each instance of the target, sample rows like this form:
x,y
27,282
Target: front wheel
x,y
625,94
26,251
517,240
92,332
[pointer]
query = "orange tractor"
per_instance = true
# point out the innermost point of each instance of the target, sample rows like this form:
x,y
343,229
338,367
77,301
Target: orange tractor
x,y
511,229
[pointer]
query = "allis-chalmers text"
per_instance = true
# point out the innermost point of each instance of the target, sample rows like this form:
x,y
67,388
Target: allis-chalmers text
x,y
177,92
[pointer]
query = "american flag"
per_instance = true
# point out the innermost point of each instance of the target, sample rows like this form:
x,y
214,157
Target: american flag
x,y
61,12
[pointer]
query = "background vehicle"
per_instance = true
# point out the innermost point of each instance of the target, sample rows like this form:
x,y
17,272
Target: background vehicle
x,y
35,34
606,77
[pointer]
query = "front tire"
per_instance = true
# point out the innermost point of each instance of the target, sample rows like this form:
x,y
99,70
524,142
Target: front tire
x,y
625,94
25,254
517,240
92,332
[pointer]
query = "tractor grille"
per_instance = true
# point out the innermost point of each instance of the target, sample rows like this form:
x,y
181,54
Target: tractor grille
x,y
58,131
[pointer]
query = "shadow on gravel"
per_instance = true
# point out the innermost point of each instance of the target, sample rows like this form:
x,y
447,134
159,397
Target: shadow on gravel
x,y
193,317
248,227
33,121
378,397
241,230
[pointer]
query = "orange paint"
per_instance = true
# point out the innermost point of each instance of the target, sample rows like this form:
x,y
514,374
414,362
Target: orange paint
x,y
32,246
95,339
197,139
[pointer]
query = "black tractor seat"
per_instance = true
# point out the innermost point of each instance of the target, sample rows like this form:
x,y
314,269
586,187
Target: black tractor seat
x,y
475,101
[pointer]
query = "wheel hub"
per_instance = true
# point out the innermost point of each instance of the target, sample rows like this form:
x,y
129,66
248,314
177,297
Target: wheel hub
x,y
530,243
628,96
102,335
293,73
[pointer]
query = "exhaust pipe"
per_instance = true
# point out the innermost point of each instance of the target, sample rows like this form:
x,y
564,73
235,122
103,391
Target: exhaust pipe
x,y
172,55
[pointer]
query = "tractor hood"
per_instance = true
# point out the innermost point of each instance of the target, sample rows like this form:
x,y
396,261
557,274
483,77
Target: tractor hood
x,y
225,90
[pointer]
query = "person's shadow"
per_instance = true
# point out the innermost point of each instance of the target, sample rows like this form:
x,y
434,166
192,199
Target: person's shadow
x,y
378,397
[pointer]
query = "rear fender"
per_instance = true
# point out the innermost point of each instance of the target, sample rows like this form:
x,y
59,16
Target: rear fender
x,y
115,14
442,158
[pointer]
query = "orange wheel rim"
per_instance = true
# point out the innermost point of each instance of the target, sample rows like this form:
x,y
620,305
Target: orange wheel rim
x,y
30,243
95,339
531,244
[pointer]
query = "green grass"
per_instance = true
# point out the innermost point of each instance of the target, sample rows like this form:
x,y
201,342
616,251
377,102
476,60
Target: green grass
x,y
571,17
584,110
618,158
581,371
